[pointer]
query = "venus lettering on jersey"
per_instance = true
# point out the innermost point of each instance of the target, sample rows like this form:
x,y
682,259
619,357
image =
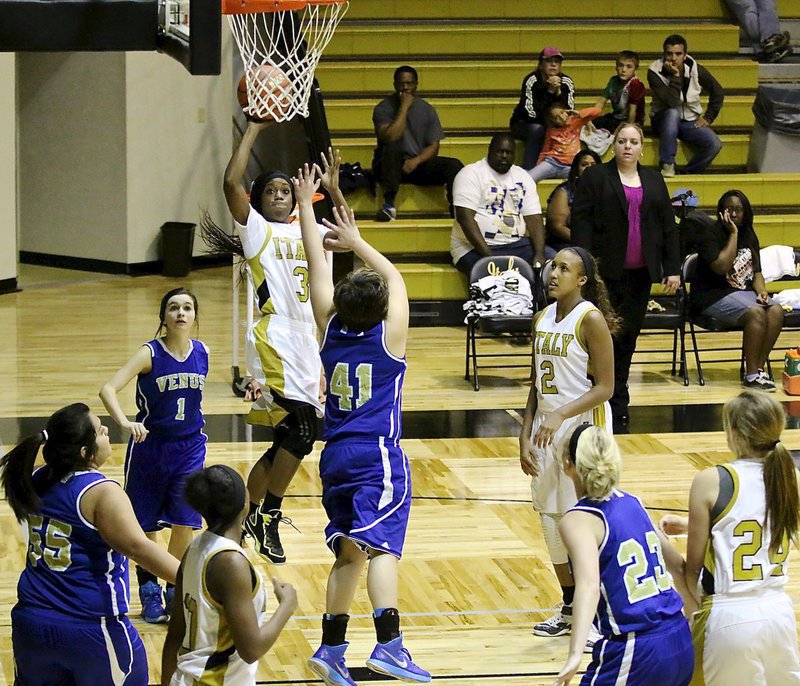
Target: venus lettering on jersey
x,y
175,382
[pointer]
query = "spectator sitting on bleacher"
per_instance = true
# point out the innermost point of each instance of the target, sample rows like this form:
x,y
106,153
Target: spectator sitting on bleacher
x,y
759,19
562,141
559,204
409,131
625,92
497,209
728,285
544,86
676,82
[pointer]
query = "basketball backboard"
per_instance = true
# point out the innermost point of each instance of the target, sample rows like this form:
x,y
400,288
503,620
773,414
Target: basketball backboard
x,y
190,34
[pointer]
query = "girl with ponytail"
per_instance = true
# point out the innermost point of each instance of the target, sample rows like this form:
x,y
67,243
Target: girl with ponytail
x,y
220,589
743,517
69,624
573,370
620,563
281,348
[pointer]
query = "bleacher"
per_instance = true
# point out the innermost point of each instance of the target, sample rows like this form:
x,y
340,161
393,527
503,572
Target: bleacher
x,y
471,56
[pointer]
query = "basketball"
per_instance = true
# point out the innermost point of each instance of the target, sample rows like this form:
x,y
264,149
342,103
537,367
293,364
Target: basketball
x,y
270,90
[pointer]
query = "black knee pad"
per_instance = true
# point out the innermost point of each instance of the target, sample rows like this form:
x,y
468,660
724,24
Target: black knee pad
x,y
301,431
279,434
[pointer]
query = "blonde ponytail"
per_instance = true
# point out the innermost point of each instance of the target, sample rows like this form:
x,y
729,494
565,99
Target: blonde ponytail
x,y
598,462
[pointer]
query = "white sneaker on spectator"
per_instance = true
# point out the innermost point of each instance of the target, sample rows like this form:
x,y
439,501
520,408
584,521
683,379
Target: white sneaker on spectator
x,y
667,170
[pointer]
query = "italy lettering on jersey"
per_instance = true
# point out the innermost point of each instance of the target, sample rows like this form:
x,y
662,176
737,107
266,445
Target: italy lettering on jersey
x,y
208,654
738,558
69,568
365,384
278,267
636,592
562,363
169,395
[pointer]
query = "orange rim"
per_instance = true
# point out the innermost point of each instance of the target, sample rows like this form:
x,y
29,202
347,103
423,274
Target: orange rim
x,y
265,6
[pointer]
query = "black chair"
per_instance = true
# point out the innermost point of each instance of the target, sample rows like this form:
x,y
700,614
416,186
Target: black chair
x,y
709,324
672,318
495,326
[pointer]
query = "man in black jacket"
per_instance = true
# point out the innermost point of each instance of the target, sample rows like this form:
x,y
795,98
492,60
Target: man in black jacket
x,y
540,89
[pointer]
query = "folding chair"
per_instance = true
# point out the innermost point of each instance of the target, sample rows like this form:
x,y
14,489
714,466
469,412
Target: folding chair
x,y
672,318
494,326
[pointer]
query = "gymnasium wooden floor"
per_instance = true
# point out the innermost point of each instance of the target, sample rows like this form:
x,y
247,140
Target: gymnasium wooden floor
x,y
475,574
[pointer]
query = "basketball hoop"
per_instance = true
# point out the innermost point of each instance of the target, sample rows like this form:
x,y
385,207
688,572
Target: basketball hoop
x,y
281,43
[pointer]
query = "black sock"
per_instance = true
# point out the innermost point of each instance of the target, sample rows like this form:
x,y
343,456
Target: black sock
x,y
271,502
334,628
387,624
143,576
568,594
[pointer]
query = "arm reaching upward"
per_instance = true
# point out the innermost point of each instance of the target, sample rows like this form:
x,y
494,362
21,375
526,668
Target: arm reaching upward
x,y
235,195
346,236
320,275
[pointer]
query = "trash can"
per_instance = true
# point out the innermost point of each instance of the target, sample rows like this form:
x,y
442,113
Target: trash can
x,y
177,243
775,141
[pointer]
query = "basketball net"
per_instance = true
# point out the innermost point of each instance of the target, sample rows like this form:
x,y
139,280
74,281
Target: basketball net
x,y
280,50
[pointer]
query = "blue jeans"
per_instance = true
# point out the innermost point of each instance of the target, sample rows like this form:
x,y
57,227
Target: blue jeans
x,y
758,18
549,168
532,135
669,127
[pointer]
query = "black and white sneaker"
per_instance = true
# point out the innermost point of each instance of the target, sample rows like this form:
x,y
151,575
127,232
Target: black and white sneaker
x,y
761,383
263,529
560,624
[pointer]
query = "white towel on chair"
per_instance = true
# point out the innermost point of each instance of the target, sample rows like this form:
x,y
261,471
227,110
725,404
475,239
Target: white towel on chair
x,y
789,297
777,261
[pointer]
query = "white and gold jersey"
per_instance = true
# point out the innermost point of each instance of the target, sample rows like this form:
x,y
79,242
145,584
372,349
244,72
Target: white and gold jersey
x,y
208,655
562,363
278,267
738,557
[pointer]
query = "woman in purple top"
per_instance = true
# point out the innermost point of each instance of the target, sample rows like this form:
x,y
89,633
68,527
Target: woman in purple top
x,y
622,214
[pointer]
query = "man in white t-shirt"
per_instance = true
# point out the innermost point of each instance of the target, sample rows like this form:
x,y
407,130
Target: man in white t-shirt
x,y
497,209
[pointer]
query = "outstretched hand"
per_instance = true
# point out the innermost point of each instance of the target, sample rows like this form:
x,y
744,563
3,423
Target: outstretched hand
x,y
305,184
344,234
329,173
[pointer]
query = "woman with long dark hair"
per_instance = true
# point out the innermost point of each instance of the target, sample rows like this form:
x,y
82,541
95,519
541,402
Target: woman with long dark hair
x,y
69,624
281,348
729,286
570,337
167,442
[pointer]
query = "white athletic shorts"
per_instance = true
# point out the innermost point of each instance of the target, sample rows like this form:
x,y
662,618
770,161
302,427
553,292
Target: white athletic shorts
x,y
750,641
552,491
282,354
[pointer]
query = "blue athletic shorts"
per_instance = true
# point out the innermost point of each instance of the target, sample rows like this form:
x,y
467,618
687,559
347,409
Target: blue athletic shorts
x,y
57,650
366,492
664,657
155,472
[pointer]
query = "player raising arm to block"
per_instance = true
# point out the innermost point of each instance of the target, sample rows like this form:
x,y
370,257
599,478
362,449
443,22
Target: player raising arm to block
x,y
743,516
219,630
366,478
167,441
620,563
281,350
573,379
69,625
